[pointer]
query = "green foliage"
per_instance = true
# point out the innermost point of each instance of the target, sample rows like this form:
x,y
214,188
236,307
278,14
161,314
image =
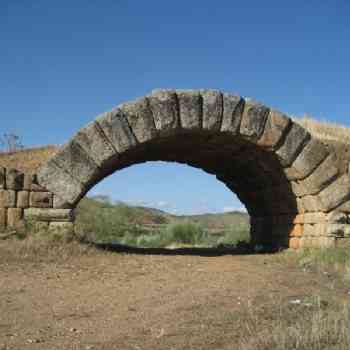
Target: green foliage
x,y
98,220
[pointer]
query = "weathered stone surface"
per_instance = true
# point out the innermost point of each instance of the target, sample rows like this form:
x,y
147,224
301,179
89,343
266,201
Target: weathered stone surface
x,y
2,178
116,127
292,145
39,226
310,218
325,173
297,230
63,229
275,128
310,157
14,179
7,199
3,218
27,182
294,243
75,161
60,203
41,199
315,229
292,174
190,107
338,217
317,242
311,204
58,181
140,119
336,193
95,144
212,109
23,199
253,120
342,242
232,114
338,230
165,110
15,217
41,214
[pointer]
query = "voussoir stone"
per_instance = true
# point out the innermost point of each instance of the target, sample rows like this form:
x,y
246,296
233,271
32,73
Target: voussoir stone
x,y
117,129
61,183
292,145
73,159
336,193
49,214
165,110
310,157
253,120
212,109
325,173
93,141
232,114
190,107
140,118
275,128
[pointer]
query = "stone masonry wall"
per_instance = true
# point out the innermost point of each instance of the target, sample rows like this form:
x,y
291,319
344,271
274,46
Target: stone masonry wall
x,y
23,201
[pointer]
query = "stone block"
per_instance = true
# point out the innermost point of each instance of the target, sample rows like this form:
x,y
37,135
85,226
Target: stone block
x,y
15,217
315,229
41,199
311,204
324,174
63,229
338,230
212,109
342,242
275,128
75,161
190,107
2,178
232,114
60,203
310,157
14,179
116,128
23,199
40,226
292,145
60,182
253,120
7,199
41,214
27,182
338,217
297,230
294,243
165,110
3,218
310,218
336,193
95,144
140,119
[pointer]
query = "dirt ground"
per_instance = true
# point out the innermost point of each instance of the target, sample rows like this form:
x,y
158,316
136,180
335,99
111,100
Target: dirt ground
x,y
128,301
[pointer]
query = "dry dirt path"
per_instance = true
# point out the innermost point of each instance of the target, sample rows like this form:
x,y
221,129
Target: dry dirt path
x,y
117,301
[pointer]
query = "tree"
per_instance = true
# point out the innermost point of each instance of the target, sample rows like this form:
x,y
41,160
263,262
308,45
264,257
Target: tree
x,y
11,142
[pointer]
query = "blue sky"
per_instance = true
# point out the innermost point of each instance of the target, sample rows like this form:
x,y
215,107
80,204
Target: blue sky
x,y
64,62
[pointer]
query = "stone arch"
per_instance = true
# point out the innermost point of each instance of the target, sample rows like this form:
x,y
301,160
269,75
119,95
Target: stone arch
x,y
288,180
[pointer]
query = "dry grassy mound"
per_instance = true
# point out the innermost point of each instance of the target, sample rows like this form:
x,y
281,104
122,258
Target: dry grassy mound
x,y
324,130
28,160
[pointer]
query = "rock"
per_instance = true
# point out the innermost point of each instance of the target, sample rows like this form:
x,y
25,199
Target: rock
x,y
232,114
190,107
95,144
165,110
41,199
212,109
15,217
23,199
140,119
275,128
7,198
253,120
292,145
116,127
14,179
40,214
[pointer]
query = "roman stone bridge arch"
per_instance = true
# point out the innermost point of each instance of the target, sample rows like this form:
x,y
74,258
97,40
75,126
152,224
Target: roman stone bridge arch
x,y
291,183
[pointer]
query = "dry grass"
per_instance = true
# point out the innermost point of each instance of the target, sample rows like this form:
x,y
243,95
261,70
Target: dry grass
x,y
325,130
28,160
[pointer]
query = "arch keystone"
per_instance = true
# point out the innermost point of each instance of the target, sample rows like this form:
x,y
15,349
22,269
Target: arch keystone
x,y
190,107
232,114
212,109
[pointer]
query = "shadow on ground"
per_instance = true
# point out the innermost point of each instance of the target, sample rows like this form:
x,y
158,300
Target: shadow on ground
x,y
240,249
